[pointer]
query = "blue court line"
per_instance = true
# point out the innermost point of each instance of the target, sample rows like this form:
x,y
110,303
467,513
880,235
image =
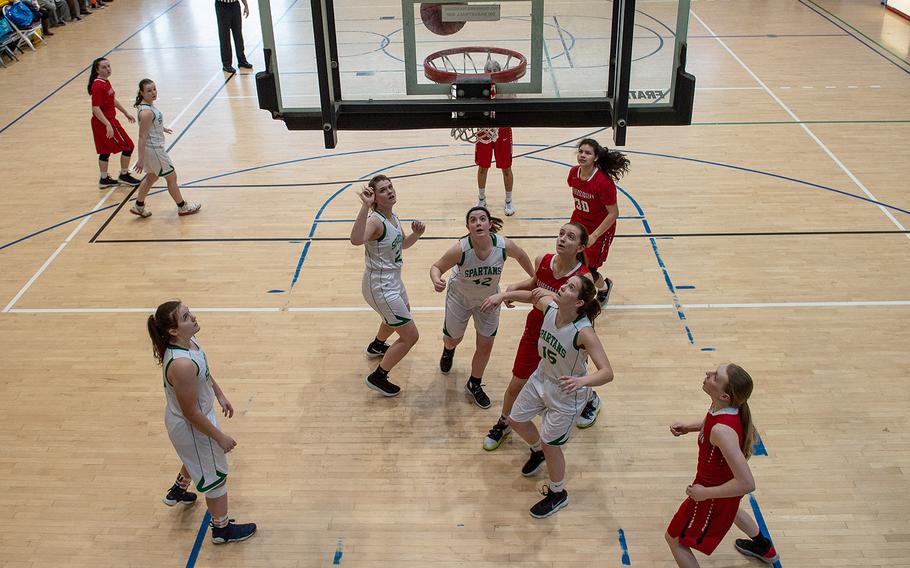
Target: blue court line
x,y
200,538
760,520
626,561
759,448
337,559
848,32
685,287
86,68
709,348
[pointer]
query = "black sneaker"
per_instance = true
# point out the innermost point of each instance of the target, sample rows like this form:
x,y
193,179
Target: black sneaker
x,y
228,69
107,182
603,296
127,179
245,65
475,391
764,553
377,349
589,414
550,503
177,494
497,434
382,385
232,532
445,362
534,463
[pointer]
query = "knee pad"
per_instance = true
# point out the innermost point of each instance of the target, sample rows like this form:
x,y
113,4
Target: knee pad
x,y
217,492
127,153
104,157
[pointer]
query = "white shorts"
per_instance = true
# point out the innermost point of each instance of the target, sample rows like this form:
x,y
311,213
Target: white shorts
x,y
158,162
201,455
558,410
387,296
458,313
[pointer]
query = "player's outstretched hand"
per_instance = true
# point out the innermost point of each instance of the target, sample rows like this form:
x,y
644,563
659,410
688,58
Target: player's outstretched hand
x,y
367,197
678,429
418,227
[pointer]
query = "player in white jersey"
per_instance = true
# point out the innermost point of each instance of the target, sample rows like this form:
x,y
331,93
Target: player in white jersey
x,y
561,386
191,420
383,238
153,157
476,262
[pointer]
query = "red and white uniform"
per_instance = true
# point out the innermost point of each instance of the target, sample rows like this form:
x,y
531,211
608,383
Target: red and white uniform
x,y
702,525
103,98
528,357
502,148
592,196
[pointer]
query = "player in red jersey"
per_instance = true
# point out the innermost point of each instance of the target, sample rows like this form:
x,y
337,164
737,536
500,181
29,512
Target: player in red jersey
x,y
553,270
110,137
502,149
594,192
725,441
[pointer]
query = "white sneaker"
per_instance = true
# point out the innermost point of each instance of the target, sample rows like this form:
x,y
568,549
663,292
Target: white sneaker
x,y
481,202
509,209
141,211
189,208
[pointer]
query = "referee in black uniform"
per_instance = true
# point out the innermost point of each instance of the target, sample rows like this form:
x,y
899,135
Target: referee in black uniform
x,y
229,21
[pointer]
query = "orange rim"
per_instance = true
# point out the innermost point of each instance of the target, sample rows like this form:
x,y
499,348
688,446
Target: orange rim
x,y
444,76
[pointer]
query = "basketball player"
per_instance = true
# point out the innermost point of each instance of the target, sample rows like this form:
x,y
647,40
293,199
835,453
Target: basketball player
x,y
192,424
725,440
476,262
108,133
553,270
502,149
594,191
381,234
560,387
152,154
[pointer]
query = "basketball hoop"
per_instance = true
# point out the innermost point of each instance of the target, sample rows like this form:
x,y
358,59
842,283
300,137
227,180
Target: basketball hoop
x,y
443,67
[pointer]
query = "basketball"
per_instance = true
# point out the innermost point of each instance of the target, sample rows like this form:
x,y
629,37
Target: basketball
x,y
431,15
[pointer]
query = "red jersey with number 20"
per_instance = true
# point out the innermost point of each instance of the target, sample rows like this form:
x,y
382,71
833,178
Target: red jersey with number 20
x,y
592,196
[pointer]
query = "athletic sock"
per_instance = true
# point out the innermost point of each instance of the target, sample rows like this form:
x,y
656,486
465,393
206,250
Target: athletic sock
x,y
380,373
536,446
761,541
481,193
508,197
182,481
221,522
557,486
181,204
140,203
377,342
124,172
474,381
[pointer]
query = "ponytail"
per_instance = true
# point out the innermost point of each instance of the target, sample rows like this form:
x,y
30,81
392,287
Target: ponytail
x,y
159,325
588,294
739,387
94,73
142,85
614,164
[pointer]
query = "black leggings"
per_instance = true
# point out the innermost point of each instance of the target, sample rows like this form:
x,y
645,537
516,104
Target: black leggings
x,y
106,157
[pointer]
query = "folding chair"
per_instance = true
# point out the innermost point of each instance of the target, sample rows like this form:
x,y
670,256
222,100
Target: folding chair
x,y
8,37
24,34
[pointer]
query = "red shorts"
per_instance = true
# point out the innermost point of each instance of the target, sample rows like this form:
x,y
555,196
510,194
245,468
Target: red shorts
x,y
104,145
502,148
596,254
703,525
527,358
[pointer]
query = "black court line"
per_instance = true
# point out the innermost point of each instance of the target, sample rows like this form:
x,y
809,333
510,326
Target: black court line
x,y
515,237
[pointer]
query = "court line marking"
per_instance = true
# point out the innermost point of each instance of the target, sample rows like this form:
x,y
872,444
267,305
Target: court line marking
x,y
364,309
808,131
53,255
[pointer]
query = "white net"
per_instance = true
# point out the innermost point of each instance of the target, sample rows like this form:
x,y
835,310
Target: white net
x,y
472,135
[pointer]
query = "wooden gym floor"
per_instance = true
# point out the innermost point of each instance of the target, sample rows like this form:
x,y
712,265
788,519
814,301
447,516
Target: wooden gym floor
x,y
747,237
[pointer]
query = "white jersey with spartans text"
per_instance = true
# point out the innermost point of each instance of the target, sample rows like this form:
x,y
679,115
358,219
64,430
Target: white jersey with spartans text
x,y
560,354
473,279
155,137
